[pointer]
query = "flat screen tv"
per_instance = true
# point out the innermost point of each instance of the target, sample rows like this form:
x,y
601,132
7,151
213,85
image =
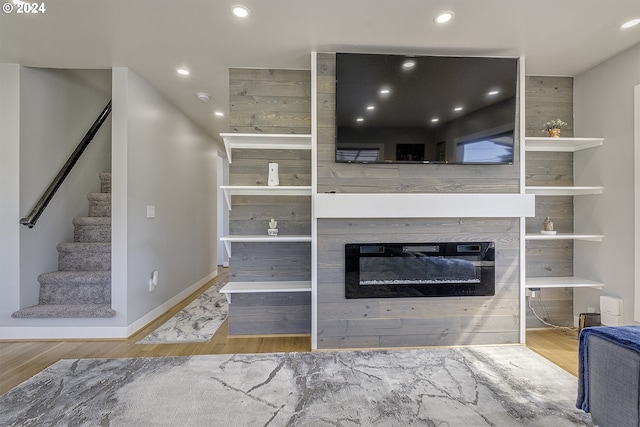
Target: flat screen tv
x,y
425,109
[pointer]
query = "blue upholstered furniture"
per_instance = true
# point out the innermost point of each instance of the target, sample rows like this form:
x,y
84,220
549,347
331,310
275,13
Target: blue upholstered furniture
x,y
609,375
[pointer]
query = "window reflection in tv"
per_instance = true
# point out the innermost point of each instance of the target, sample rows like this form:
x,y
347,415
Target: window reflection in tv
x,y
425,109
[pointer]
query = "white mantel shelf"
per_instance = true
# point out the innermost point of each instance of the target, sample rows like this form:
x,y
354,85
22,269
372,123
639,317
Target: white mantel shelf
x,y
421,205
561,144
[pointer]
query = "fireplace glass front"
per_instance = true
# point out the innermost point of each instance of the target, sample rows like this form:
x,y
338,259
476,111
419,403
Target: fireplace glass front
x,y
400,270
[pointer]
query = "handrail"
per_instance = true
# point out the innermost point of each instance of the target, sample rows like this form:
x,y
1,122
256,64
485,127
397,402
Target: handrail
x,y
31,219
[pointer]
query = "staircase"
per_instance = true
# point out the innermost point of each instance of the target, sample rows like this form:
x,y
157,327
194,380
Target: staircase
x,y
81,288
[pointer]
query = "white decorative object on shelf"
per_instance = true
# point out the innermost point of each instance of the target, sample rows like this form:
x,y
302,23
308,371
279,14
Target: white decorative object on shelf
x,y
272,231
548,227
274,179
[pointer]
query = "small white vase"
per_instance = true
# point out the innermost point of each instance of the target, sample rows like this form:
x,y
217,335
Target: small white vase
x,y
273,174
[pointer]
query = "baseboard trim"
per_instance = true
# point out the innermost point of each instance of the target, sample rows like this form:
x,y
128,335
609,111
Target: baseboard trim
x,y
32,333
160,310
21,333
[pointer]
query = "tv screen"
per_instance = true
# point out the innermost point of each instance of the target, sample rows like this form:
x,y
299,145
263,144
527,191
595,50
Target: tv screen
x,y
425,109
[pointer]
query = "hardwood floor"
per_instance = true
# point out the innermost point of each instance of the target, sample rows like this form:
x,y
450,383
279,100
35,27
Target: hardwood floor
x,y
558,345
21,360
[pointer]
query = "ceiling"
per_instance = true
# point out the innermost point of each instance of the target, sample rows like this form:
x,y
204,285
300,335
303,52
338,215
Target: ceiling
x,y
154,37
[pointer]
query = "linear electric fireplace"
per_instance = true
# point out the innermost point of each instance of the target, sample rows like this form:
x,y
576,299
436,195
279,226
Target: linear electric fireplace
x,y
400,270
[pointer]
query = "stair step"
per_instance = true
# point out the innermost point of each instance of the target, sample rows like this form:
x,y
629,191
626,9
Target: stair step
x,y
105,182
65,311
84,256
75,287
92,229
99,204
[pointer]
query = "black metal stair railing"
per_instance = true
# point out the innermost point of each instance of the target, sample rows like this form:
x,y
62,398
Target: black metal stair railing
x,y
31,219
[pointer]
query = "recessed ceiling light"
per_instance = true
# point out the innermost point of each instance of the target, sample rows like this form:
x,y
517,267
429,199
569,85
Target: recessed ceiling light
x,y
457,109
630,24
385,91
443,17
408,64
359,119
435,120
370,107
183,71
218,113
240,11
493,92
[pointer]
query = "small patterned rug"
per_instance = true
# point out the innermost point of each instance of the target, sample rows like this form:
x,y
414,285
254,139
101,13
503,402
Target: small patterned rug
x,y
197,322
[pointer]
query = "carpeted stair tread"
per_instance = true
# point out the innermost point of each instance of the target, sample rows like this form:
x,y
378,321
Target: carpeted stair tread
x,y
103,197
65,311
105,182
84,256
92,229
99,204
84,247
92,220
76,277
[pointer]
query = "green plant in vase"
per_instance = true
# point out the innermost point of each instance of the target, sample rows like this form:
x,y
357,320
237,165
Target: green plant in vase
x,y
552,127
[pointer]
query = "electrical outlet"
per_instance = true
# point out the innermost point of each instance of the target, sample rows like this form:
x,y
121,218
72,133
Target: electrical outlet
x,y
532,292
153,281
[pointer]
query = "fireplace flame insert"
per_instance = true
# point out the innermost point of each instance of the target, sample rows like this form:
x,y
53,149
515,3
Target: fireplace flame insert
x,y
401,270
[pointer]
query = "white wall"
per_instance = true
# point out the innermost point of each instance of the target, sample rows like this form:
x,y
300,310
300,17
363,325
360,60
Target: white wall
x,y
9,188
604,107
160,158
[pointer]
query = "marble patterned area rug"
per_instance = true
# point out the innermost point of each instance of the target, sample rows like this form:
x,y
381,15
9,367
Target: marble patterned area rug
x,y
197,322
480,386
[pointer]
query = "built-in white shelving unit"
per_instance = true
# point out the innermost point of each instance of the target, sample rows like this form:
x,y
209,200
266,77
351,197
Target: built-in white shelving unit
x,y
244,141
265,141
562,145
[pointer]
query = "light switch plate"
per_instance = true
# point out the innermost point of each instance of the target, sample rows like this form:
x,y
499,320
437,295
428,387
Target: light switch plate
x,y
151,211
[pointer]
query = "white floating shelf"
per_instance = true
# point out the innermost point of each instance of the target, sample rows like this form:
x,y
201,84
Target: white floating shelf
x,y
548,190
263,190
561,282
265,141
561,144
264,287
565,236
227,240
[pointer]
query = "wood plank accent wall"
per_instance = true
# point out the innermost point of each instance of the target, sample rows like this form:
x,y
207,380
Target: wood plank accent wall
x,y
270,101
397,178
550,98
362,323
